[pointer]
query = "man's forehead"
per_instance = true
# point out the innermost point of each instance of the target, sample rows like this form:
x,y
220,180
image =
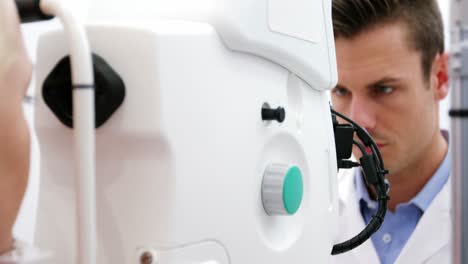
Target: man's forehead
x,y
374,55
387,28
378,40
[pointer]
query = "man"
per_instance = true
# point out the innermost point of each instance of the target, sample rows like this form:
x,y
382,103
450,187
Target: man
x,y
15,74
392,73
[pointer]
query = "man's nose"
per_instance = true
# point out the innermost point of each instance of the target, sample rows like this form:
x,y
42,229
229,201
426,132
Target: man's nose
x,y
362,112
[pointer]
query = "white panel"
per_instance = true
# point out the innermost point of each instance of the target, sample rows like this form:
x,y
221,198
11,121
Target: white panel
x,y
296,18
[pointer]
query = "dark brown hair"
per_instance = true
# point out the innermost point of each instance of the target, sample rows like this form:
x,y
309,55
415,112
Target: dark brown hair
x,y
422,17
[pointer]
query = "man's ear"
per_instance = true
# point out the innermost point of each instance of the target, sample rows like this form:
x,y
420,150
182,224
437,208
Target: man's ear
x,y
440,76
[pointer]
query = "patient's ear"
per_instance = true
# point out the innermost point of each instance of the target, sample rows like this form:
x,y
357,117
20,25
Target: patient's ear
x,y
439,76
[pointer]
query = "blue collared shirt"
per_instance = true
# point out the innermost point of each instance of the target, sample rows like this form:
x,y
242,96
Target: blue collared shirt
x,y
398,226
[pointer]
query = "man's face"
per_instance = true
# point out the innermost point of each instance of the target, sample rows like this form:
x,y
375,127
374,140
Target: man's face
x,y
381,86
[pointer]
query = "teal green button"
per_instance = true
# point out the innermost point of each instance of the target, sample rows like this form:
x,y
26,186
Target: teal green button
x,y
293,190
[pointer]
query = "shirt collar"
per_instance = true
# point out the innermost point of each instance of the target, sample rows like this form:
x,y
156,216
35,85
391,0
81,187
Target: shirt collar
x,y
424,198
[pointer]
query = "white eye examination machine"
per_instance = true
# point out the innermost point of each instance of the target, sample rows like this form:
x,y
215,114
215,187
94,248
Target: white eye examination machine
x,y
213,141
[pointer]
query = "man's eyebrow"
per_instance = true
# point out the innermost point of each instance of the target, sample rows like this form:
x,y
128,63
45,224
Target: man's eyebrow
x,y
385,80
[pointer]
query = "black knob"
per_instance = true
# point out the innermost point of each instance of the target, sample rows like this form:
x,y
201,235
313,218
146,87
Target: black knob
x,y
278,114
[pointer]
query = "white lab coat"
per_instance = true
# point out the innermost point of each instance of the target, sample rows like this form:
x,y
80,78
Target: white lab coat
x,y
429,243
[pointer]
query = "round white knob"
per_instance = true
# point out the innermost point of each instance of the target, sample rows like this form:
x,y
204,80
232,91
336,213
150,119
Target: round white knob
x,y
282,189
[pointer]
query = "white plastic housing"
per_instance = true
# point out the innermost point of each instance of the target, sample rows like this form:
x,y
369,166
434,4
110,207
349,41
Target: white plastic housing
x,y
180,164
297,34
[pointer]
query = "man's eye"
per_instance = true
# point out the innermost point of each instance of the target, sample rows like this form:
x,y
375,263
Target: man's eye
x,y
383,89
340,91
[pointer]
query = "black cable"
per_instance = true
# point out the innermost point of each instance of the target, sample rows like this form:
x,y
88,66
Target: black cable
x,y
347,164
379,156
360,146
362,134
374,172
